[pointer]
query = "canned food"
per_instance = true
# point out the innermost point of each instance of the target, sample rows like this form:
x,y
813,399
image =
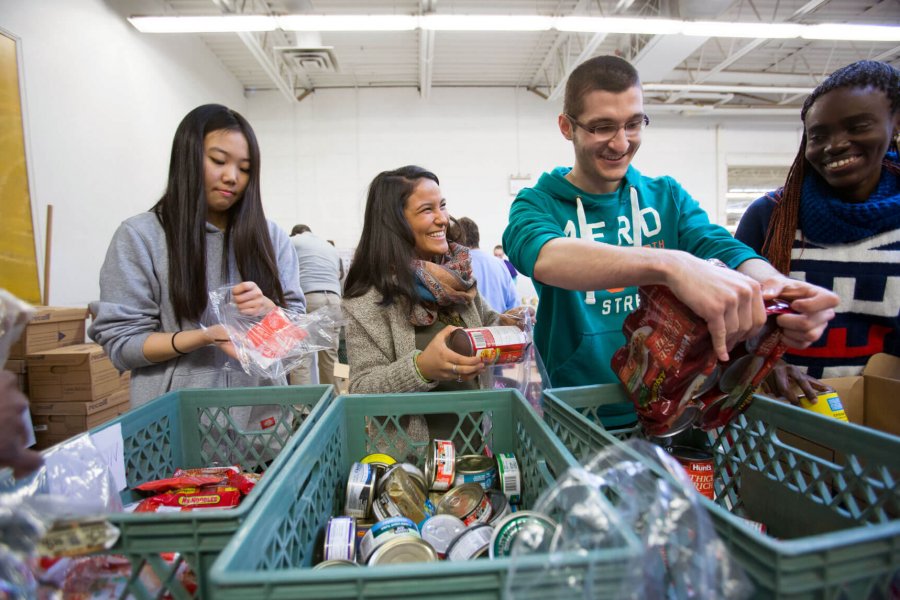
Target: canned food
x,y
473,542
499,505
828,403
340,539
384,508
698,464
382,532
510,476
403,550
440,530
538,529
398,493
493,345
476,468
379,461
337,562
360,490
467,502
440,463
417,476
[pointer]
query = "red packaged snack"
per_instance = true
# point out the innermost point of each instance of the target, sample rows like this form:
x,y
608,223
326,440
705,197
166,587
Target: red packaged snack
x,y
191,499
179,481
672,375
244,481
275,334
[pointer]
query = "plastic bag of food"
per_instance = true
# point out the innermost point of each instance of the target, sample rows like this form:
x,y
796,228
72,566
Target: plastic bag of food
x,y
274,344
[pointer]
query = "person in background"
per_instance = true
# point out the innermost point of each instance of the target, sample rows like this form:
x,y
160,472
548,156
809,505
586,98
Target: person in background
x,y
494,282
836,222
320,280
588,235
208,230
13,435
498,252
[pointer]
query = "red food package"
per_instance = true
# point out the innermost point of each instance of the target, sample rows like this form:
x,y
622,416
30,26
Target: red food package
x,y
275,335
192,499
180,481
221,472
672,375
244,481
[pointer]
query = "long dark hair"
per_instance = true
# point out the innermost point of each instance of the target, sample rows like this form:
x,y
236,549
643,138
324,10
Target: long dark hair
x,y
786,214
386,249
182,213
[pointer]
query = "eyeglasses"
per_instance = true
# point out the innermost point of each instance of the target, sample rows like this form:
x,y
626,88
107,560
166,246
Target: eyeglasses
x,y
607,131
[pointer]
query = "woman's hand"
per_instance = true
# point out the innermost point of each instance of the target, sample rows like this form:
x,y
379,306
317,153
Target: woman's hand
x,y
438,362
218,335
784,380
518,316
250,300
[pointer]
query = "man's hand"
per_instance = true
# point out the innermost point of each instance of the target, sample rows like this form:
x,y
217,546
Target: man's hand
x,y
814,307
731,303
13,405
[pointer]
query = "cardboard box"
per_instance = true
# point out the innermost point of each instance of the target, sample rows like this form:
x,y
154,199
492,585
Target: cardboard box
x,y
873,398
51,327
17,366
72,424
84,409
79,373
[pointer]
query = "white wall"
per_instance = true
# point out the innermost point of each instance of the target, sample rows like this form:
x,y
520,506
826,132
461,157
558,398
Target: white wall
x,y
101,104
319,155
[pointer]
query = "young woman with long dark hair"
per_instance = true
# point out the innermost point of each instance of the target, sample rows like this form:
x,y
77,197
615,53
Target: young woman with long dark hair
x,y
836,221
208,230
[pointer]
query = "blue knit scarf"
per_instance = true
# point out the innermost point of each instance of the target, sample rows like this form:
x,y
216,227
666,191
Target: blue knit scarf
x,y
824,218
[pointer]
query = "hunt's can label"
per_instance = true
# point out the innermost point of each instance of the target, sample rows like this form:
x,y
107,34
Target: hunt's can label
x,y
360,490
382,532
510,476
476,468
440,465
699,466
468,503
828,403
340,539
493,345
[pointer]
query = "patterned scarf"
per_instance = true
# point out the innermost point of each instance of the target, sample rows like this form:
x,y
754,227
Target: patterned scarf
x,y
824,218
442,284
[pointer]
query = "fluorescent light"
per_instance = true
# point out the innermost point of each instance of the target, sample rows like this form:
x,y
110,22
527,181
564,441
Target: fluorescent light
x,y
216,24
618,25
348,22
450,22
741,30
436,22
862,33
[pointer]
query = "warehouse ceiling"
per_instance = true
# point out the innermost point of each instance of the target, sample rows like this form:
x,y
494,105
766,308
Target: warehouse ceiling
x,y
725,74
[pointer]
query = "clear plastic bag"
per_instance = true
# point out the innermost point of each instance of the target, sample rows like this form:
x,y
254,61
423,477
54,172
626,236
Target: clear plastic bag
x,y
623,489
274,344
529,375
14,317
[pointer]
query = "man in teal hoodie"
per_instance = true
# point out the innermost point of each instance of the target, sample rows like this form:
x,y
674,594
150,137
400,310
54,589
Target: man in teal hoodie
x,y
589,235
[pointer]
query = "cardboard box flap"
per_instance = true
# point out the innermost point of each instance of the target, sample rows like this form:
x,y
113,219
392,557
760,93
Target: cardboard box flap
x,y
77,354
51,314
883,365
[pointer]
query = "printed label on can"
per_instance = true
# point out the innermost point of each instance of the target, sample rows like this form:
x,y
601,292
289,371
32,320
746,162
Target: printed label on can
x,y
340,539
498,345
385,530
360,490
471,543
828,404
444,462
510,476
699,467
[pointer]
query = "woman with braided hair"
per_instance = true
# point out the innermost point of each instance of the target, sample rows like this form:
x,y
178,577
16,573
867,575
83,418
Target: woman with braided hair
x,y
836,222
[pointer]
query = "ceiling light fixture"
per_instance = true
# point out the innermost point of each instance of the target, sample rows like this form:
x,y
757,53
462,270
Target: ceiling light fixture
x,y
450,22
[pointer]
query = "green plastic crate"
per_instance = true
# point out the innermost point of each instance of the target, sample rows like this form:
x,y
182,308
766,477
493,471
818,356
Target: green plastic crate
x,y
272,554
838,523
194,428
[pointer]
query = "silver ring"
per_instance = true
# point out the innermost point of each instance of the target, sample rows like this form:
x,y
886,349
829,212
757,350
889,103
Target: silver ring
x,y
459,379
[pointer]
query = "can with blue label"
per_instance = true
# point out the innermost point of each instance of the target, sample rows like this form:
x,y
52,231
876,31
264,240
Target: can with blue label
x,y
476,468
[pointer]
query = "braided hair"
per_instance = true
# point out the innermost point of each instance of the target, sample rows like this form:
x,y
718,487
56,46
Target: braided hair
x,y
863,74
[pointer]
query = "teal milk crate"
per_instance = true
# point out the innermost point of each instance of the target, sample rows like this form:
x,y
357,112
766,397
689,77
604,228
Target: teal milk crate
x,y
196,428
827,491
272,554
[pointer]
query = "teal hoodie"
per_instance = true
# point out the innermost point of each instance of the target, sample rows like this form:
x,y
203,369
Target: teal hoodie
x,y
578,332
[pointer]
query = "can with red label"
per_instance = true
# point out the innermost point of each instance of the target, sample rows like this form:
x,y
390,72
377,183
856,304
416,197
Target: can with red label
x,y
493,345
468,503
440,465
699,466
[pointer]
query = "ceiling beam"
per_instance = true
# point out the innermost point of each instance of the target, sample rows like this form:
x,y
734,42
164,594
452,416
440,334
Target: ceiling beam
x,y
426,51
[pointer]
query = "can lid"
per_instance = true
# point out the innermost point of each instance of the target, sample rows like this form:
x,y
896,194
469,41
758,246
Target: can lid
x,y
539,526
439,530
405,549
474,463
335,562
377,458
417,476
461,500
499,505
459,342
